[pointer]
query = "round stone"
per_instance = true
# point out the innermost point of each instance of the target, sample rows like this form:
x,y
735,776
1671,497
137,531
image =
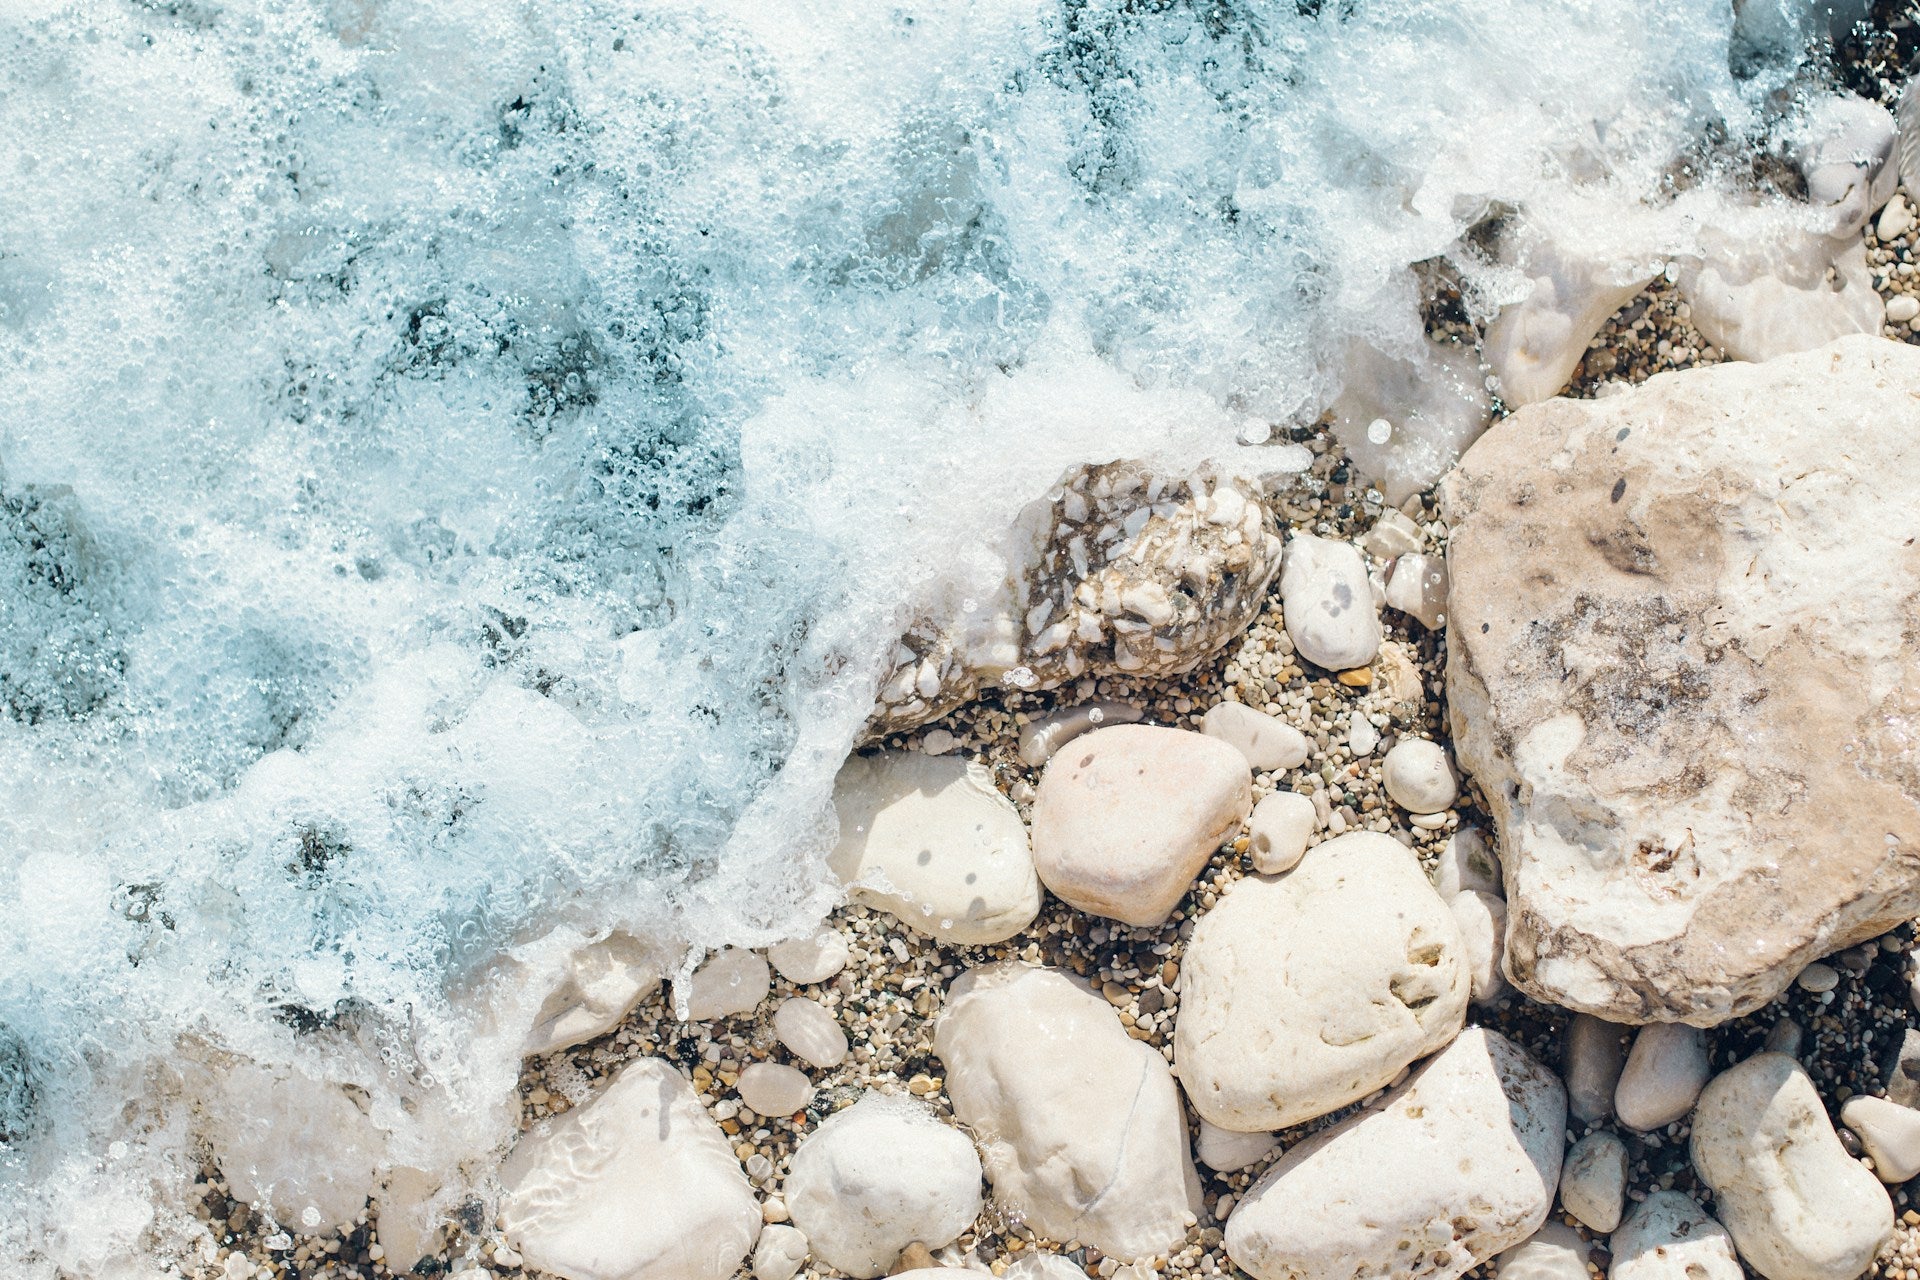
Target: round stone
x,y
774,1090
813,958
810,1032
1278,831
1419,776
1664,1073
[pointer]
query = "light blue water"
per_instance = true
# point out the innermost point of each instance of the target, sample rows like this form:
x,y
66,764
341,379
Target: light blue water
x,y
462,462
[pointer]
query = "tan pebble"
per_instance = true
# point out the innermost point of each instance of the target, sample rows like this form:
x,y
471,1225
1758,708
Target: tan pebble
x,y
915,1257
1357,678
1169,974
1115,993
745,1150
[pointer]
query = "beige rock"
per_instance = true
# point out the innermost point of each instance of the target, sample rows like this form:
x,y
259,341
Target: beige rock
x,y
1417,587
1268,742
1046,734
637,1184
1759,303
810,959
774,1089
1126,818
298,1146
1449,1169
1466,865
1080,1126
779,1254
1419,777
1665,1071
1224,1151
1669,1237
1534,344
1278,831
1593,1181
1710,608
1328,603
1797,1205
1554,1252
1306,992
1483,937
1889,1132
410,1228
604,981
734,980
810,1032
1430,405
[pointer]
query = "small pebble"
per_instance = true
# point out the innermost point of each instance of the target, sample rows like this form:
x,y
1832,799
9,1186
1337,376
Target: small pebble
x,y
1818,977
773,1089
1419,776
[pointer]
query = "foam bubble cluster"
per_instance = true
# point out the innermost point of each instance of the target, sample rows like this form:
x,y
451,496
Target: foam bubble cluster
x,y
462,465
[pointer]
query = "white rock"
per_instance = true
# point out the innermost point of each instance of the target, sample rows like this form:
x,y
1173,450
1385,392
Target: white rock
x,y
1554,1252
1268,742
1534,344
1466,865
1669,1237
1846,160
1328,603
1278,831
1419,777
1902,308
637,1184
814,958
1362,737
603,982
1124,821
780,1253
1483,937
1432,406
1225,1151
774,1089
1596,1053
1303,993
1665,1071
1758,303
930,840
299,1146
1080,1126
877,1177
1895,221
1449,1169
1593,1182
733,981
1797,1205
1046,734
410,1228
1417,586
1393,534
1889,1132
812,1033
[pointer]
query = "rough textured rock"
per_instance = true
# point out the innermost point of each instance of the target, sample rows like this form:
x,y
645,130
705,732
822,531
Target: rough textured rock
x,y
604,980
1669,1237
1797,1205
1593,1182
1306,992
1554,1252
1121,570
1267,742
637,1184
1449,1169
1328,603
1665,1071
1278,831
877,1177
1124,820
930,840
1683,671
1080,1126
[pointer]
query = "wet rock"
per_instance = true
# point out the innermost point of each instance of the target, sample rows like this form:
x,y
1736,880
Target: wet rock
x,y
1534,345
1403,419
1328,603
810,1032
1417,586
1761,301
734,980
1046,734
779,1255
603,982
1669,1237
1467,865
265,1126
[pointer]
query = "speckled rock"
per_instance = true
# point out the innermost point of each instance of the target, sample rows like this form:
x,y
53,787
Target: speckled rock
x,y
929,840
1122,570
1670,1237
1715,607
1278,831
1328,603
1554,1252
734,980
1306,992
1125,819
1593,1181
636,1184
1080,1126
878,1176
1665,1071
1449,1169
1268,742
1797,1205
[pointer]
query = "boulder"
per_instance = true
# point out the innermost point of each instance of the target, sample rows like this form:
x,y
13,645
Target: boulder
x,y
1403,419
1534,345
1680,666
636,1184
1449,1169
1307,991
1080,1126
929,840
877,1177
1126,818
1797,1205
1327,600
1669,1237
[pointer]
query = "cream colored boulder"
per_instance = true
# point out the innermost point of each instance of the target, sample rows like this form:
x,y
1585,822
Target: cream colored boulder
x,y
929,839
1446,1171
1680,662
636,1184
1128,815
1669,1237
1079,1125
1797,1205
1304,992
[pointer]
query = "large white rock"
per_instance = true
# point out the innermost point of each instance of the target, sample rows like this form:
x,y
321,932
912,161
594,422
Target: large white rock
x,y
1797,1205
636,1184
1593,1181
298,1147
877,1177
1889,1132
930,840
1669,1237
1554,1252
1127,816
1673,611
1306,992
1328,603
1080,1126
1446,1171
1759,302
1267,742
1665,1071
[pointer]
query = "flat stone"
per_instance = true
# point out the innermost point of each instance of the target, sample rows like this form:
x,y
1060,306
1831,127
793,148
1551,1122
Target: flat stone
x,y
810,1032
1554,1252
1797,1205
1889,1132
774,1089
1303,993
1665,1072
1419,777
734,980
1328,603
1593,1181
810,959
1817,978
1483,937
780,1253
929,840
1449,1169
638,1183
1669,1237
1467,864
1268,742
1125,819
1080,1126
1225,1151
877,1177
1595,1055
1278,831
1673,610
